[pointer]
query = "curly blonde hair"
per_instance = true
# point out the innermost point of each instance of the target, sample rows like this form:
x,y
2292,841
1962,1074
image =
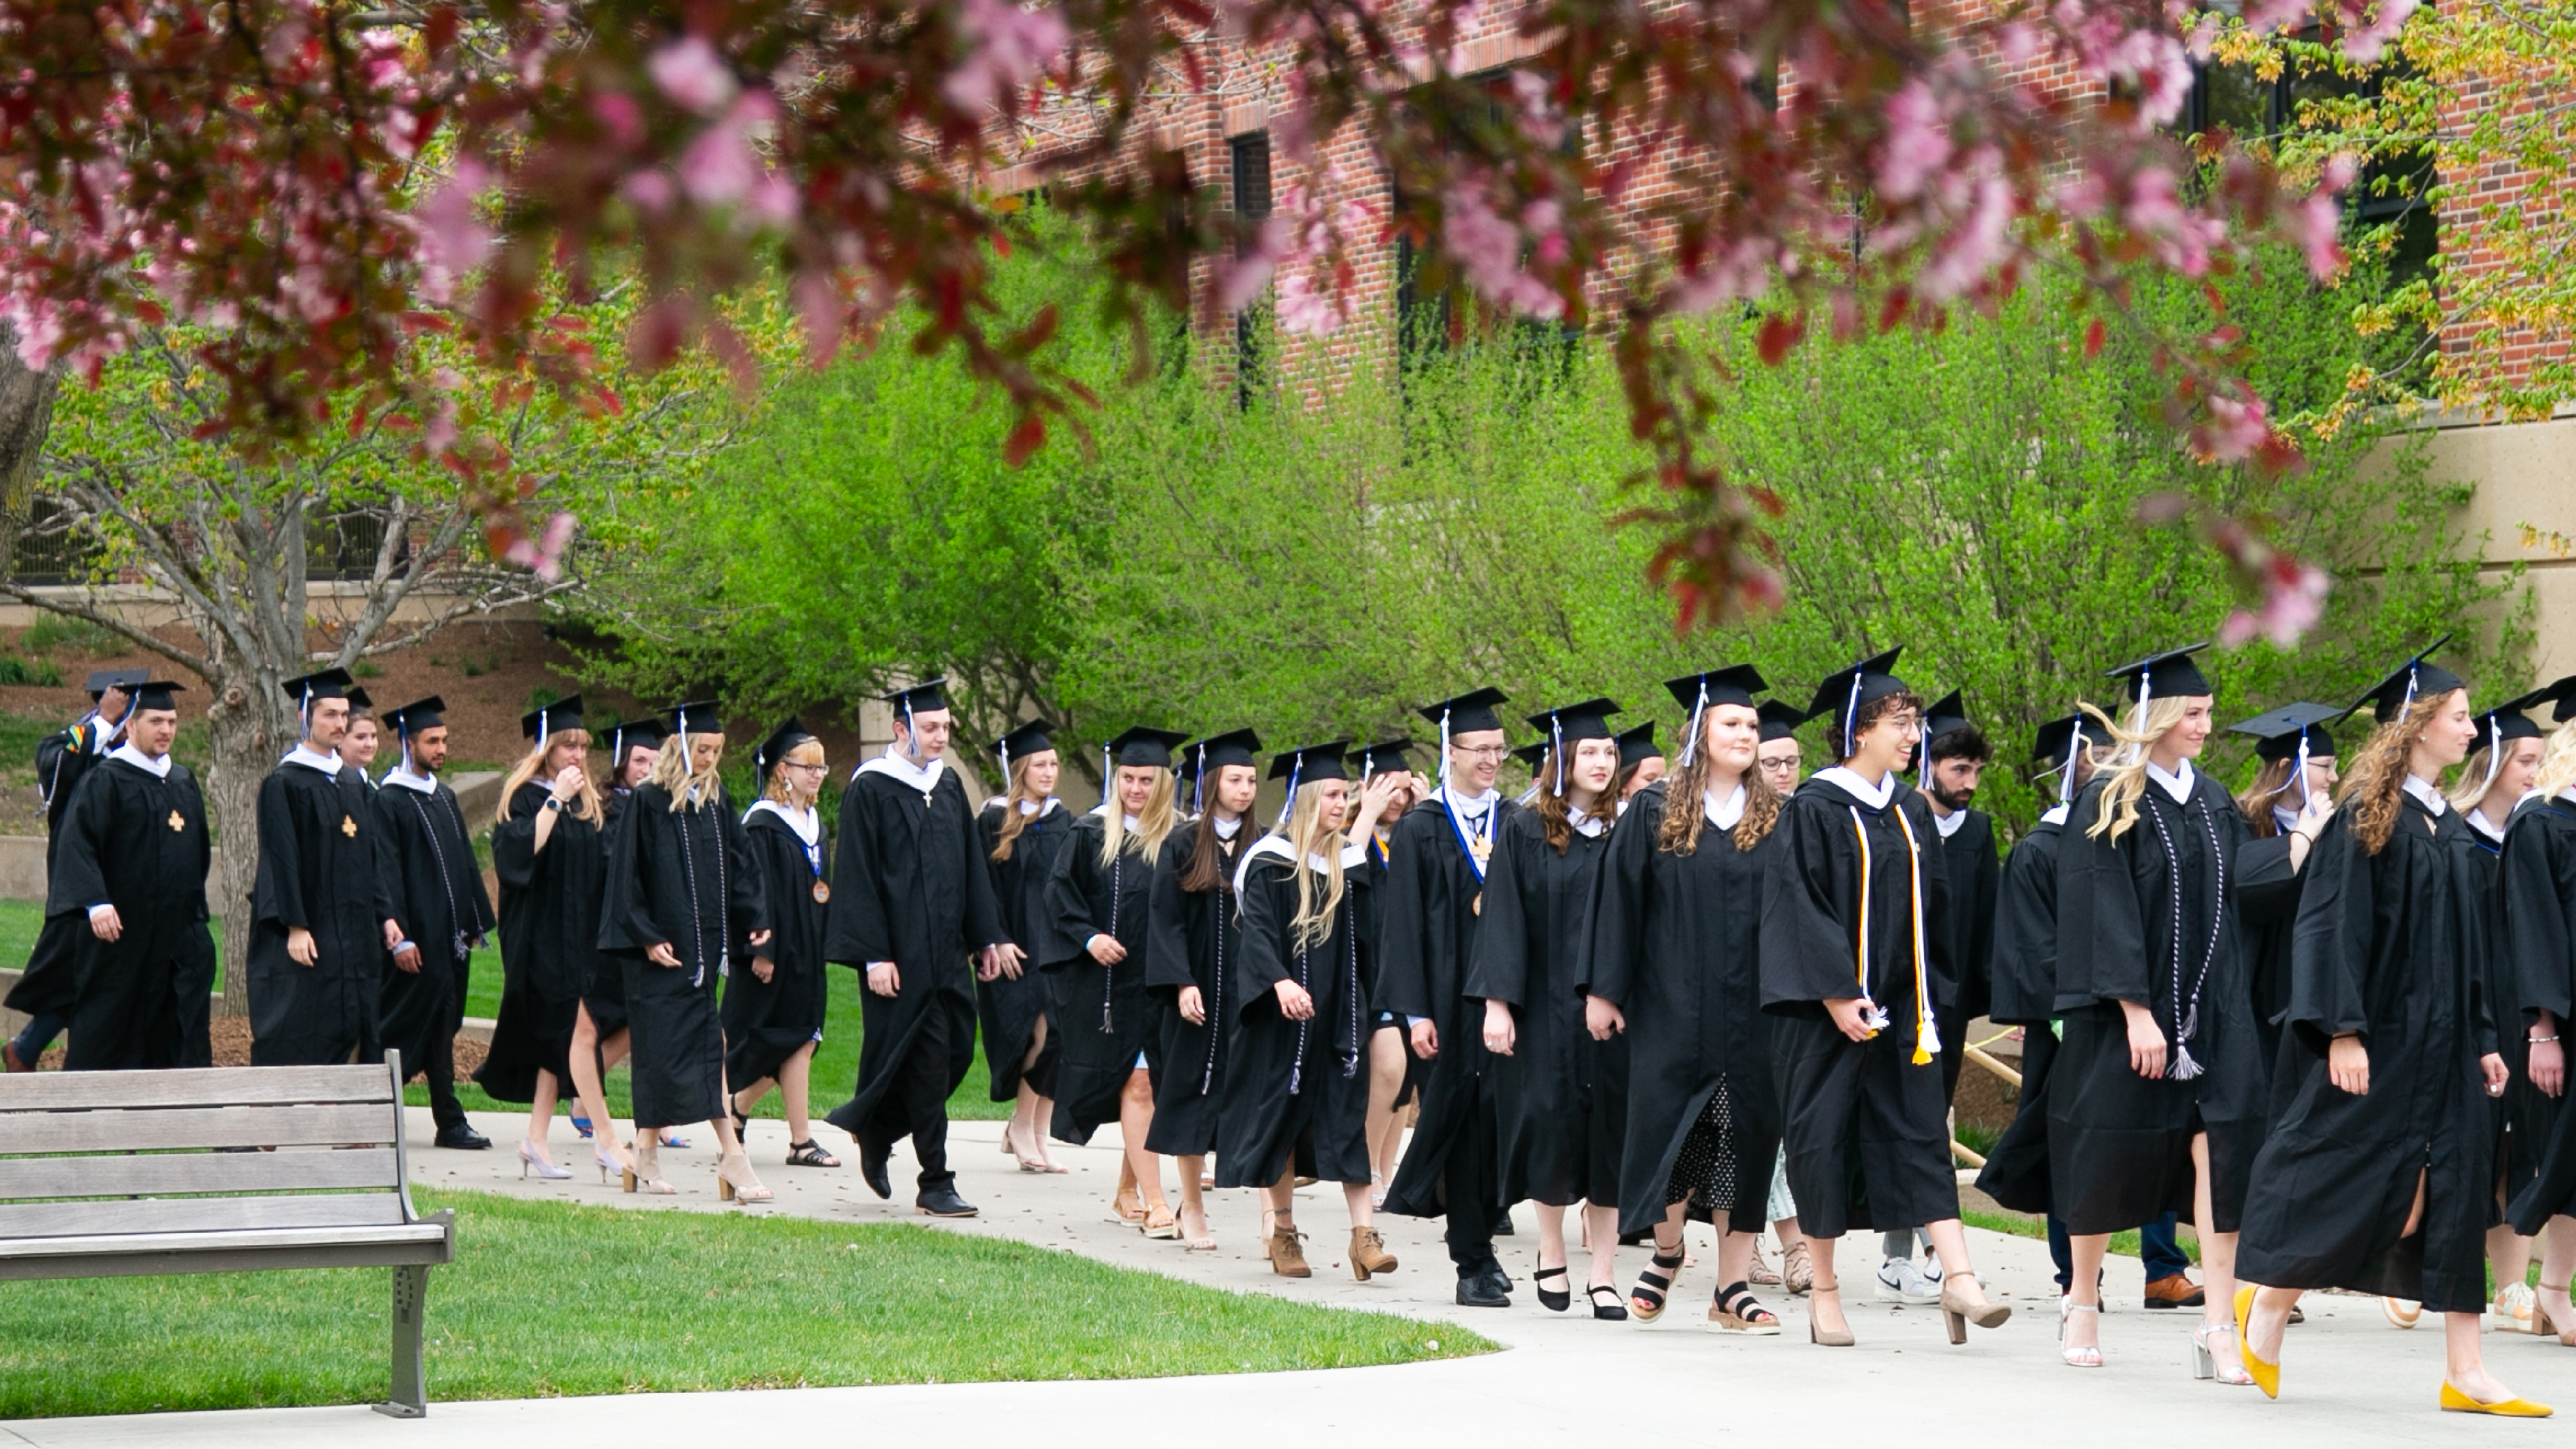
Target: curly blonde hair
x,y
2126,773
1678,832
2377,778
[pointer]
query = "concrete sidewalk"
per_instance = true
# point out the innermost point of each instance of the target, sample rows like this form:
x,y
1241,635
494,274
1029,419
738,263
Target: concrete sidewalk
x,y
2350,1378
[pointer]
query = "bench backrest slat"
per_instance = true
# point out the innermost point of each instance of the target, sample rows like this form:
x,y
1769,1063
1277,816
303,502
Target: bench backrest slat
x,y
193,1087
169,1172
198,1214
148,1130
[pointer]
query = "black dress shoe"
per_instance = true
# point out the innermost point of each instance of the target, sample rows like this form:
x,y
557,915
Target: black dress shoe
x,y
463,1138
1503,1226
1496,1280
872,1169
1483,1291
943,1202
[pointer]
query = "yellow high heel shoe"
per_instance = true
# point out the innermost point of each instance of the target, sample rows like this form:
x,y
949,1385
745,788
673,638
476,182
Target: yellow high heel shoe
x,y
2267,1376
2460,1403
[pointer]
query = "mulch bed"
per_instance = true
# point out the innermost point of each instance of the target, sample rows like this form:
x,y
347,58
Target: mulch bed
x,y
231,1037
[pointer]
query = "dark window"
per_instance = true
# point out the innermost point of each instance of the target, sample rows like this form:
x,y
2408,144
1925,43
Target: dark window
x,y
1251,158
344,545
48,550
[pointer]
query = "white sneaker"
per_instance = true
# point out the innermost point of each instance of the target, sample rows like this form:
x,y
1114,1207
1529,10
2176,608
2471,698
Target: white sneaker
x,y
2511,1310
1902,1280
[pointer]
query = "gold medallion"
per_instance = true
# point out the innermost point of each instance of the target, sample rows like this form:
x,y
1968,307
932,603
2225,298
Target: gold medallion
x,y
349,827
178,822
1482,849
822,892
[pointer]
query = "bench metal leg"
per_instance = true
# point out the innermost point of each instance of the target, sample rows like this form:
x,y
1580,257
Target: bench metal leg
x,y
410,1390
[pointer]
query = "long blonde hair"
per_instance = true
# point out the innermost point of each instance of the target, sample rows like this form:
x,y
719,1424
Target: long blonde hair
x,y
671,772
2126,774
2557,762
1307,837
2378,774
775,787
585,802
1154,822
1014,819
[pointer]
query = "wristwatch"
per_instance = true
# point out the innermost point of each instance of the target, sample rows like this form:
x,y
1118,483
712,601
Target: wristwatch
x,y
553,803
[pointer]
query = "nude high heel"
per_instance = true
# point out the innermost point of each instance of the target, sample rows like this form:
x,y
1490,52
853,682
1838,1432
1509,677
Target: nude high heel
x,y
1958,1310
646,1175
735,1182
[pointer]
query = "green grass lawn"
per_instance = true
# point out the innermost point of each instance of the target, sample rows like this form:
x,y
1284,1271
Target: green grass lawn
x,y
549,1299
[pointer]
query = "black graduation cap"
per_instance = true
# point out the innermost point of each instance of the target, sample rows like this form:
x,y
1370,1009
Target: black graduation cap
x,y
1385,757
1944,715
931,693
2560,694
790,733
1034,738
627,734
1586,721
2280,734
1466,713
151,693
1531,756
326,684
551,719
1145,747
696,717
2417,678
1780,719
2055,746
1845,691
418,715
1638,745
102,680
358,699
1734,684
2508,722
2165,675
1234,747
1306,766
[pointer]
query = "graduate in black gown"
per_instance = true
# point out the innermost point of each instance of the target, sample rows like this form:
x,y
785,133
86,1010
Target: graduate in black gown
x,y
1641,761
2377,1173
1395,1073
129,870
1023,830
1854,935
1296,1102
318,906
440,914
599,1036
774,1001
1427,919
1561,1115
1675,975
2157,1096
2293,790
2535,1170
1194,960
47,986
1099,908
680,895
548,856
911,904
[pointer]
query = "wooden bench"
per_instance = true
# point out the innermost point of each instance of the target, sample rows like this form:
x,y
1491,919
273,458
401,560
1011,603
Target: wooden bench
x,y
117,1174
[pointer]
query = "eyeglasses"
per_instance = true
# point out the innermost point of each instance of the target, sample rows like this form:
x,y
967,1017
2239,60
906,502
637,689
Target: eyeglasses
x,y
1480,752
816,766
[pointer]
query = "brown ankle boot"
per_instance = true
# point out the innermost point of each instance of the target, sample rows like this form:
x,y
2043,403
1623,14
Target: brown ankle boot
x,y
1286,1258
1369,1254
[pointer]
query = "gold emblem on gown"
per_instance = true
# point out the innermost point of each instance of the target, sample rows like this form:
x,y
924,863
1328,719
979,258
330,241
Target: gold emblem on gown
x,y
349,827
178,822
822,891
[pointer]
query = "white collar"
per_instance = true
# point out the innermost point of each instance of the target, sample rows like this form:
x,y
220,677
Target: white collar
x,y
1723,813
1353,856
1128,822
2478,822
2431,798
1874,796
1034,807
1226,829
807,823
1465,806
1585,823
160,768
2176,784
2288,820
327,764
1949,824
105,731
893,763
404,776
2055,814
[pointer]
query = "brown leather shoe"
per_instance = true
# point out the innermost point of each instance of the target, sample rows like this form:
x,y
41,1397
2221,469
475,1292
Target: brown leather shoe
x,y
10,1059
1369,1254
1286,1258
2177,1291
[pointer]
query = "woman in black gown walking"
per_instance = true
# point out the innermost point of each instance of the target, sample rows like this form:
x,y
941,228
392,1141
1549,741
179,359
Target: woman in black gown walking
x,y
774,1001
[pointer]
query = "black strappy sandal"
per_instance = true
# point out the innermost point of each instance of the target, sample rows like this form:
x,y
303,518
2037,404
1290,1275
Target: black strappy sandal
x,y
806,1154
741,1121
1646,1300
1616,1310
1738,1311
1554,1302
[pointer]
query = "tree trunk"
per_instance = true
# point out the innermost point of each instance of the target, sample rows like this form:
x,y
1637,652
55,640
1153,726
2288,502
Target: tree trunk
x,y
249,728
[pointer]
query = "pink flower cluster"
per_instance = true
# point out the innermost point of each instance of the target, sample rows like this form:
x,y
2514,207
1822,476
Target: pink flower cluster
x,y
1013,44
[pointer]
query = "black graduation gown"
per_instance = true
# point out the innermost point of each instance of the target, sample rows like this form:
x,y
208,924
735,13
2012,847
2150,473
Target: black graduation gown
x,y
1296,1092
1193,938
1865,1126
603,989
686,879
2538,892
1108,1021
549,943
2025,995
1427,923
1675,946
1559,1131
1009,1010
426,858
2266,938
908,886
2391,946
50,984
765,1022
2119,1144
317,870
1975,875
136,841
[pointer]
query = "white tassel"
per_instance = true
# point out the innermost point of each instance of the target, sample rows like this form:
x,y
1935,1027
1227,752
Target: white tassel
x,y
2184,1068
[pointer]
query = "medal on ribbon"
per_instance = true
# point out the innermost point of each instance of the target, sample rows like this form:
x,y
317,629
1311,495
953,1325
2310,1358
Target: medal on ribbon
x,y
178,822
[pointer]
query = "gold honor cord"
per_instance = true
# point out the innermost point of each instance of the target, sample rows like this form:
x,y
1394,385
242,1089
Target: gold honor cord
x,y
1927,1033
